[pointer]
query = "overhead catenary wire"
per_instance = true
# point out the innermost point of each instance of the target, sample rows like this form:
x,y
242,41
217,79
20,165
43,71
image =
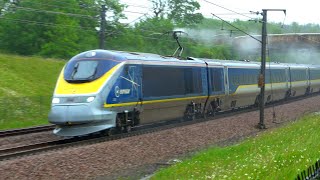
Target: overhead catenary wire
x,y
46,24
133,4
66,14
54,12
133,12
70,26
241,14
126,26
139,6
77,27
55,6
237,28
274,118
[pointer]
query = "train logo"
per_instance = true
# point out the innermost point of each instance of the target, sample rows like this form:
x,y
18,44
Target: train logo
x,y
117,91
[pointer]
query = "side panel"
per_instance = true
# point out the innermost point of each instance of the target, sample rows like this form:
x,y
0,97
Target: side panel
x,y
216,80
243,88
125,93
299,81
167,90
315,79
276,84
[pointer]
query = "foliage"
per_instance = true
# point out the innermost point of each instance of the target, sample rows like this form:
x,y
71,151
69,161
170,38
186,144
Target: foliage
x,y
53,28
183,12
276,154
25,93
64,28
180,12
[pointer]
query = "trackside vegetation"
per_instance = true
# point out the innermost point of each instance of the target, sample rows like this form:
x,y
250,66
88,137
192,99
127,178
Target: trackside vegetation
x,y
275,154
26,87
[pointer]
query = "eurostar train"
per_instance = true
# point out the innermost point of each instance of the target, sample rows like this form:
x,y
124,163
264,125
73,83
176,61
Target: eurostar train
x,y
103,91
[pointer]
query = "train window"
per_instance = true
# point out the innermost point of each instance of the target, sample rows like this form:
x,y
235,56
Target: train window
x,y
267,76
242,76
277,75
193,80
84,70
314,74
298,74
171,81
80,71
216,75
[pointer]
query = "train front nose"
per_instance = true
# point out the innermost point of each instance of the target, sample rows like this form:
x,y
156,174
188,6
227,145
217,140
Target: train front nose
x,y
70,114
78,120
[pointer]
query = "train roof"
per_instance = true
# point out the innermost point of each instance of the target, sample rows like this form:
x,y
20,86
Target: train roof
x,y
124,56
155,57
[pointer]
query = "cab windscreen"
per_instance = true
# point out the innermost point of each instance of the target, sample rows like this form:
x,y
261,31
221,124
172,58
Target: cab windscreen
x,y
80,71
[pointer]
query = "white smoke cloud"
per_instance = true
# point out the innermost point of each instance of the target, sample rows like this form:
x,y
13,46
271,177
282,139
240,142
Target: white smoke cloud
x,y
206,36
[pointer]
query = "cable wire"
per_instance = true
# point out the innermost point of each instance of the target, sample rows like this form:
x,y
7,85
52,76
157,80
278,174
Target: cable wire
x,y
274,118
46,24
226,9
50,5
54,12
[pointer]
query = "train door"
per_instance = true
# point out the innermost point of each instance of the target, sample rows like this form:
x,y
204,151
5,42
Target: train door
x,y
226,89
308,77
226,81
308,80
289,79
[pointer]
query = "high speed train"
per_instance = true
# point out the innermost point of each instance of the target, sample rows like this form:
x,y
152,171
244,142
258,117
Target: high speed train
x,y
104,91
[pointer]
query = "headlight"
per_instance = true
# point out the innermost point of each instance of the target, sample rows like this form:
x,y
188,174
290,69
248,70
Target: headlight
x,y
90,99
55,101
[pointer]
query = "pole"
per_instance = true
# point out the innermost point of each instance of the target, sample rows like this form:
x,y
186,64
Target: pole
x,y
102,27
261,82
263,67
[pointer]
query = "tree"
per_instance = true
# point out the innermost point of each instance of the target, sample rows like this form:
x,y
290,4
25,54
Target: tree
x,y
159,8
54,28
180,12
183,12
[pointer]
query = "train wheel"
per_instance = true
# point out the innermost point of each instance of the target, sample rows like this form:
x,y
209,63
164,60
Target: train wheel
x,y
205,115
128,129
190,113
111,132
119,126
108,132
190,116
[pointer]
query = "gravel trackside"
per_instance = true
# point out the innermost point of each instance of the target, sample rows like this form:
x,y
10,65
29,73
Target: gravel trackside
x,y
110,160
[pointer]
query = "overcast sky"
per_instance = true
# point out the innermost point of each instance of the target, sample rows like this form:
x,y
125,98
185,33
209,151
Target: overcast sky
x,y
303,12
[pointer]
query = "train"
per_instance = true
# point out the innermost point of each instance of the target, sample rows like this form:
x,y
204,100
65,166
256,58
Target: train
x,y
103,91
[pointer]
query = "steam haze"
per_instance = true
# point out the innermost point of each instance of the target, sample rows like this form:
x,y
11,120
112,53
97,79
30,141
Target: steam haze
x,y
286,48
205,36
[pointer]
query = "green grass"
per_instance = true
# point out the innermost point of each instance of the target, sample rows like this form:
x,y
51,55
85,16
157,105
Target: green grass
x,y
276,154
26,87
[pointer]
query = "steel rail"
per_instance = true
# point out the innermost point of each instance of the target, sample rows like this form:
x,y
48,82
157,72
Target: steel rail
x,y
22,131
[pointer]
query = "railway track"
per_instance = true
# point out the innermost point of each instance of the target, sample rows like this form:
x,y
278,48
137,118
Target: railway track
x,y
15,132
8,153
139,130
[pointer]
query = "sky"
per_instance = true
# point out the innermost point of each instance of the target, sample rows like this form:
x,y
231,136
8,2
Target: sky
x,y
303,12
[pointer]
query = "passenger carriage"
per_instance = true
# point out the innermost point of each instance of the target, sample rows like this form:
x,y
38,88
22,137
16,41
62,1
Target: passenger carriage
x,y
103,90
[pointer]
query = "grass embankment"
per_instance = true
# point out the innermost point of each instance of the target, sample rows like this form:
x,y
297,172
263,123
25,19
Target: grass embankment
x,y
275,154
26,87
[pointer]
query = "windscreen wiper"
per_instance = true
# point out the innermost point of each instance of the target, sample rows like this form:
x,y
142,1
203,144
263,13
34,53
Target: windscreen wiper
x,y
75,70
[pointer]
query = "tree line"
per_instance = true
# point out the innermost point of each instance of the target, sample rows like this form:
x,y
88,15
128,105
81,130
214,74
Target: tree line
x,y
63,28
